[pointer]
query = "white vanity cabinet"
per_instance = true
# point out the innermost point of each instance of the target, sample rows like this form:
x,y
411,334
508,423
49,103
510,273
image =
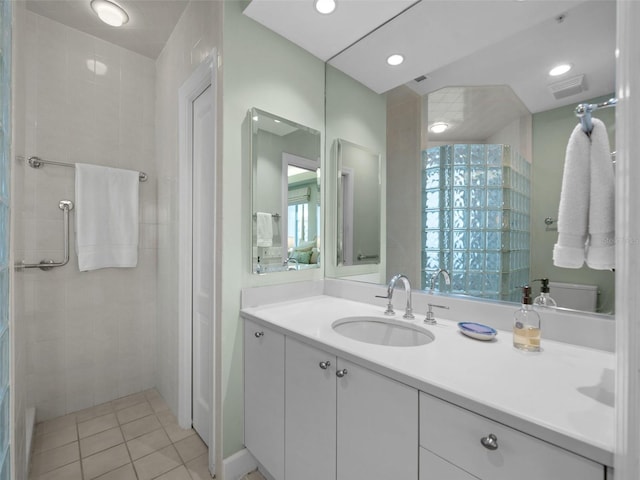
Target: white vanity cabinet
x,y
467,446
264,396
344,421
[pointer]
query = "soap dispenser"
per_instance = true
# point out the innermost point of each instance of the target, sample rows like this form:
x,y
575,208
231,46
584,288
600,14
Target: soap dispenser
x,y
526,324
544,299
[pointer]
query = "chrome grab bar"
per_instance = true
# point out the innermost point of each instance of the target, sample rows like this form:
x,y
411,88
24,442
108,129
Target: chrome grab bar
x,y
37,162
65,206
367,257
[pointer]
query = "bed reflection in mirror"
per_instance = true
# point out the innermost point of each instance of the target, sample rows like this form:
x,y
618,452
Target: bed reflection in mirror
x,y
285,194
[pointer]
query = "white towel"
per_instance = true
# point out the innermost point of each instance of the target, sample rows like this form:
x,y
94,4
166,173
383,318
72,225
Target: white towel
x,y
586,212
264,231
106,217
601,248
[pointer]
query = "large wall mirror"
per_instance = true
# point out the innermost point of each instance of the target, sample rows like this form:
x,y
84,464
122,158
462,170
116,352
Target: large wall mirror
x,y
480,68
285,194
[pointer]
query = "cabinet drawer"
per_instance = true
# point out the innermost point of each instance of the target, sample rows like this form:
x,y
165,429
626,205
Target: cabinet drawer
x,y
454,434
432,467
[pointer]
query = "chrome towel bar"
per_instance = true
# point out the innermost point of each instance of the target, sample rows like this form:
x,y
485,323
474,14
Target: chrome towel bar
x,y
65,206
37,162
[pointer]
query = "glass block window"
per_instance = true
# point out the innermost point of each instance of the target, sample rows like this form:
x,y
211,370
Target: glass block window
x,y
476,218
5,137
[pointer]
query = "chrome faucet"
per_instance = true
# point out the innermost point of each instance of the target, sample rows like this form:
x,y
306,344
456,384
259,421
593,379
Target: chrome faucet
x,y
295,262
408,313
434,277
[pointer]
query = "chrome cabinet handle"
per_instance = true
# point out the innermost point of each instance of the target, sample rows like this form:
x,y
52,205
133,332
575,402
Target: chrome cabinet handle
x,y
490,442
341,373
325,365
259,334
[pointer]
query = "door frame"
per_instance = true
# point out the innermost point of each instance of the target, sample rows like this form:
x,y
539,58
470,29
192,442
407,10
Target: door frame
x,y
203,77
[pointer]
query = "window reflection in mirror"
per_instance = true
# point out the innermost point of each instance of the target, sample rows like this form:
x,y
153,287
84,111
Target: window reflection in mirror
x,y
285,194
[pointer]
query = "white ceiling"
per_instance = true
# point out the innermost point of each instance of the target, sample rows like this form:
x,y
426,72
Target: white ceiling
x,y
460,42
150,21
324,35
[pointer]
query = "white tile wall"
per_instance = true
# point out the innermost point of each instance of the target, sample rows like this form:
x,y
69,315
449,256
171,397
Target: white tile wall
x,y
90,336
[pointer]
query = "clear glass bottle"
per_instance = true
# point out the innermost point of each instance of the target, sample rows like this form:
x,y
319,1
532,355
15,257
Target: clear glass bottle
x,y
544,299
526,324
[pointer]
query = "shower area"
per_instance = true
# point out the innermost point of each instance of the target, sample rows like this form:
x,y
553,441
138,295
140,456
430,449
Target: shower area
x,y
476,200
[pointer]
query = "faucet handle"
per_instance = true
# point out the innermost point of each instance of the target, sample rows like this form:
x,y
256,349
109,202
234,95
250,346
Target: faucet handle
x,y
430,319
389,310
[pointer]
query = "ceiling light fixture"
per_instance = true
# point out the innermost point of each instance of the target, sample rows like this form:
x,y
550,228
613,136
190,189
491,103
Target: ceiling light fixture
x,y
438,127
325,7
560,70
395,59
109,12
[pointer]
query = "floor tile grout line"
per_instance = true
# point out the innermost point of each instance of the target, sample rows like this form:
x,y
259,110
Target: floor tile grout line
x,y
79,450
126,445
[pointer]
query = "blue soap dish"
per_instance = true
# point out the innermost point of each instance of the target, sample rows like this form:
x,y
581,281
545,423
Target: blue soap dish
x,y
477,330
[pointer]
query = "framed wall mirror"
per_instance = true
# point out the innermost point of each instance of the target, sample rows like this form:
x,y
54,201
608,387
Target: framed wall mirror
x,y
501,57
359,204
285,194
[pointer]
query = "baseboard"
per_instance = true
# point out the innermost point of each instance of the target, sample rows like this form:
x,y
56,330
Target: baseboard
x,y
238,465
30,420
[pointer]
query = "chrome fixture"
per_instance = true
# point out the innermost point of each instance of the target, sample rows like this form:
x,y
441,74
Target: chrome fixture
x,y
296,264
37,162
490,442
341,373
65,206
434,277
430,319
408,313
583,112
325,365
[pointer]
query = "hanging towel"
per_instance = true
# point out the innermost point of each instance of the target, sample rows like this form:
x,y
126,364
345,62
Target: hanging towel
x,y
586,212
106,217
601,247
264,231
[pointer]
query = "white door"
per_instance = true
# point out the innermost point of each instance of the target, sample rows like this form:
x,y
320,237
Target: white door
x,y
203,236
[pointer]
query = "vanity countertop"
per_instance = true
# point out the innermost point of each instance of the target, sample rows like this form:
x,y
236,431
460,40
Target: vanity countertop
x,y
563,395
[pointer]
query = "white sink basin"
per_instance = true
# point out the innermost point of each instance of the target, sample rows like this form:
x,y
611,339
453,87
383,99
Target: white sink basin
x,y
383,331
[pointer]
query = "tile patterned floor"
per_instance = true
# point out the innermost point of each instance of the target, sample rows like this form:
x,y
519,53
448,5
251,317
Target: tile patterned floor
x,y
132,438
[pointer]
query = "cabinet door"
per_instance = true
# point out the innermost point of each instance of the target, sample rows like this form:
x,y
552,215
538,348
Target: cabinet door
x,y
264,396
310,417
377,427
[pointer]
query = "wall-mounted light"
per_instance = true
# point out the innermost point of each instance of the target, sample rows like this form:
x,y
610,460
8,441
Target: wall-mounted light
x,y
559,70
325,6
109,12
438,127
395,59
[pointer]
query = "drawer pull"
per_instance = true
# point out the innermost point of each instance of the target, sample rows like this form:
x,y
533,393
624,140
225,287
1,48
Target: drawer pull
x,y
341,373
490,442
259,334
325,365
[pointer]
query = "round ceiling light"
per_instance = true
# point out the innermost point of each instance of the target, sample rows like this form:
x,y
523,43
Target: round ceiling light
x,y
325,6
109,12
560,70
438,127
395,59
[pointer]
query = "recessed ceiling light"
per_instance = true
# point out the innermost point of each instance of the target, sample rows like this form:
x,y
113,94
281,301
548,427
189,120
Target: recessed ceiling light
x,y
109,12
560,70
325,6
438,127
395,59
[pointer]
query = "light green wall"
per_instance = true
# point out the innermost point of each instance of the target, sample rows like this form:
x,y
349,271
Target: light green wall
x,y
356,114
262,70
551,131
